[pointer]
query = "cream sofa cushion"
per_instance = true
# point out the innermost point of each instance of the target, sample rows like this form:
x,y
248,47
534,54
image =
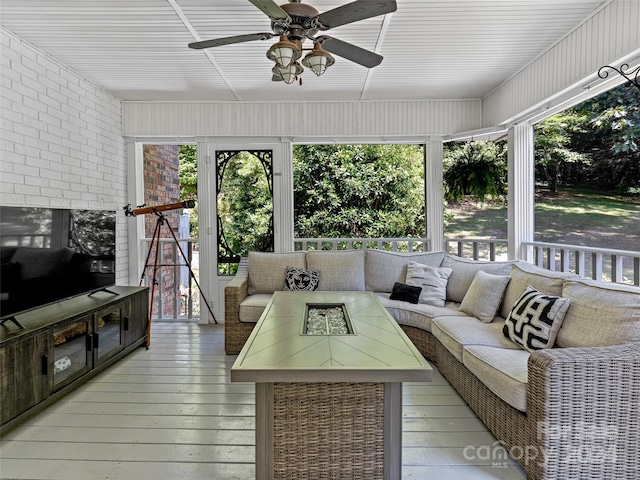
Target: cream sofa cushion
x,y
416,315
340,270
457,332
600,314
524,274
502,371
464,271
252,307
267,270
383,269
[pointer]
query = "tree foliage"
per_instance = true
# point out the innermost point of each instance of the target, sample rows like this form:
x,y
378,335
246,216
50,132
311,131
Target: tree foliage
x,y
475,169
245,205
555,147
358,191
378,190
597,141
614,141
615,116
188,174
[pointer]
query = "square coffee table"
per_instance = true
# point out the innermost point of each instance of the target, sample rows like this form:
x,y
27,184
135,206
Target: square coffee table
x,y
328,403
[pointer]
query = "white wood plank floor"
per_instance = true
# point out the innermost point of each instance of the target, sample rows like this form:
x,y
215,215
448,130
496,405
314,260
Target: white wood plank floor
x,y
171,412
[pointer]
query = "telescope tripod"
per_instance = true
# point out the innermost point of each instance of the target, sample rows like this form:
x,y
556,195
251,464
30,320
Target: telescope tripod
x,y
155,241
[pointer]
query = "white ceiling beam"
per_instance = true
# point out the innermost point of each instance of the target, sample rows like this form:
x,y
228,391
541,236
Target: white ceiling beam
x,y
383,31
196,37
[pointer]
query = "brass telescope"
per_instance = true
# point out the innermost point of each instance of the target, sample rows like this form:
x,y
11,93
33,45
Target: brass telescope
x,y
159,208
154,246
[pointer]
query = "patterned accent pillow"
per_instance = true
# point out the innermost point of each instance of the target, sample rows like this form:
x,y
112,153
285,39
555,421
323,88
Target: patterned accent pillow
x,y
301,279
432,280
406,293
535,319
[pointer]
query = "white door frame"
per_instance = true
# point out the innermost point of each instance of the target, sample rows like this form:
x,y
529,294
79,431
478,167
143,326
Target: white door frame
x,y
212,283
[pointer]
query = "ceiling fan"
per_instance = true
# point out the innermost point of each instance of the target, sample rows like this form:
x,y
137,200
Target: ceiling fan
x,y
295,23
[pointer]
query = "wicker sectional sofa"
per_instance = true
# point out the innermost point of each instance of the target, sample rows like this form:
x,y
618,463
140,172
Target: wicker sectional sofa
x,y
567,412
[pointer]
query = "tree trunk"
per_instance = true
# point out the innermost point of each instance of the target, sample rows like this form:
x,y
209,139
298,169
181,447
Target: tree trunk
x,y
553,177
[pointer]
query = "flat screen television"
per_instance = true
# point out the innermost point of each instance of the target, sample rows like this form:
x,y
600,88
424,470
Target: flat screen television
x,y
51,254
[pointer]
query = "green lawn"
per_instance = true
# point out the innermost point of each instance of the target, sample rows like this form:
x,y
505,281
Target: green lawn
x,y
574,217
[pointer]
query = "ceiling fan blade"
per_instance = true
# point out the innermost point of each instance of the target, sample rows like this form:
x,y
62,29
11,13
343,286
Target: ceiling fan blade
x,y
272,9
350,51
354,11
217,42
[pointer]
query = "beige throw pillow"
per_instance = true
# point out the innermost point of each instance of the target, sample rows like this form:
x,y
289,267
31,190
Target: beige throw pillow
x,y
432,280
484,296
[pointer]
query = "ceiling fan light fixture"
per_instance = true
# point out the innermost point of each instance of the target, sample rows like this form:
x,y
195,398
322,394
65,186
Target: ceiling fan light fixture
x,y
295,23
289,74
318,60
285,52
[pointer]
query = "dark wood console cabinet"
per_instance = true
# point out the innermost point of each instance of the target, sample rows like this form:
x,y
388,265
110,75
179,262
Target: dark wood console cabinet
x,y
65,344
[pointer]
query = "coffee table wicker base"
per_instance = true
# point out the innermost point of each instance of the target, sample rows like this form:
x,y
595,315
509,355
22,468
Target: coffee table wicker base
x,y
328,431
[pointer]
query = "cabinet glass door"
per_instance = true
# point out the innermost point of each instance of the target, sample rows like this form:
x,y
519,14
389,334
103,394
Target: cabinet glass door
x,y
109,330
70,356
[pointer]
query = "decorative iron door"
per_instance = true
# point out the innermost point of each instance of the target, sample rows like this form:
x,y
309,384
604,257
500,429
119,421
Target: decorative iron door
x,y
244,196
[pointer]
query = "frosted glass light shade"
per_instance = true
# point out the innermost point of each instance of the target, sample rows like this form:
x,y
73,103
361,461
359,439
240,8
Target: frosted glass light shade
x,y
284,53
318,60
290,73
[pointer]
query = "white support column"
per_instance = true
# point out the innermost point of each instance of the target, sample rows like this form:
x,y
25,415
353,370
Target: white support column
x,y
521,227
433,197
207,232
135,197
283,197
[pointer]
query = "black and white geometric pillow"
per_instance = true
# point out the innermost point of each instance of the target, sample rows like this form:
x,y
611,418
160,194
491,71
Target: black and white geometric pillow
x,y
301,279
535,319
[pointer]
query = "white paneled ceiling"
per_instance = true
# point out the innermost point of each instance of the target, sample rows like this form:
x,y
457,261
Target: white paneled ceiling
x,y
433,49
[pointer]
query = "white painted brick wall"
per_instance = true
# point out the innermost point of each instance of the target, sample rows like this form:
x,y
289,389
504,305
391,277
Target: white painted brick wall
x,y
61,139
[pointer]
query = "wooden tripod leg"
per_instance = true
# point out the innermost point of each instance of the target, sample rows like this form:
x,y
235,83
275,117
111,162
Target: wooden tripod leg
x,y
146,260
155,240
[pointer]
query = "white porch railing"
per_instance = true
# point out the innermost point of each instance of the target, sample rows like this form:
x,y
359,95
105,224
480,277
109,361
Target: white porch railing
x,y
490,249
176,296
603,264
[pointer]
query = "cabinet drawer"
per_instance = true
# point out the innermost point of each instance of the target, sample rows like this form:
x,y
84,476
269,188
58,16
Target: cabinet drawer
x,y
24,374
